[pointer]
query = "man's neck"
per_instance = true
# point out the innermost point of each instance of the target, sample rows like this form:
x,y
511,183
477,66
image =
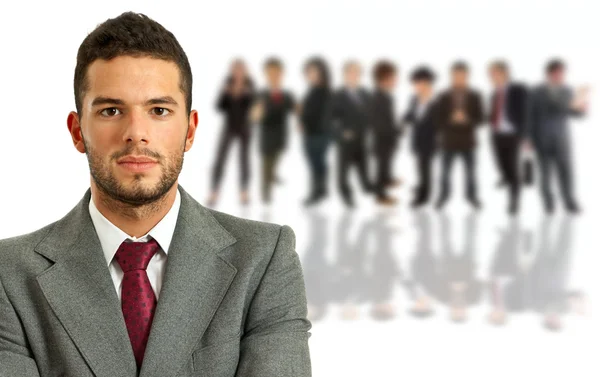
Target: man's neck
x,y
136,221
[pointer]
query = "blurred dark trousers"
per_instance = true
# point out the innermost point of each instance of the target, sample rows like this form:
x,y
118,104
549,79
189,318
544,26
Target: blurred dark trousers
x,y
352,154
384,158
468,156
557,153
423,188
269,165
315,147
506,151
227,137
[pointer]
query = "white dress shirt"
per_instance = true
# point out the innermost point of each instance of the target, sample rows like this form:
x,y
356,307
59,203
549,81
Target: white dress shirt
x,y
111,238
421,108
505,126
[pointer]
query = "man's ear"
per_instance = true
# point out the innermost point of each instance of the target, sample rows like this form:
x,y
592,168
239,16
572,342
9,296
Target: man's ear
x,y
75,131
191,132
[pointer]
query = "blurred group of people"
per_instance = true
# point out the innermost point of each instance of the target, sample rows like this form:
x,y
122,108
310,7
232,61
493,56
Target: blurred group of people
x,y
363,125
528,272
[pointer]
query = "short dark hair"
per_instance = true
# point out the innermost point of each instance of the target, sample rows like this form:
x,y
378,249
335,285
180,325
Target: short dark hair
x,y
273,62
130,34
422,73
460,65
554,65
383,69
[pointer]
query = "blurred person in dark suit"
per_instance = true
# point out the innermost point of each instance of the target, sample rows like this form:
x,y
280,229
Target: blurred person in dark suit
x,y
385,131
549,108
420,115
234,102
315,119
508,116
459,112
350,121
271,111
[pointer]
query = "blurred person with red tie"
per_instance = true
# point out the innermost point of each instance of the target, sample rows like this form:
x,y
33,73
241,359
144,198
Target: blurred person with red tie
x,y
508,105
271,111
138,278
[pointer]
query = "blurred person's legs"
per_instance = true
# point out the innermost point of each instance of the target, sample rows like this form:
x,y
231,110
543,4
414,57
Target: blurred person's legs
x,y
423,188
345,161
546,158
506,149
447,159
384,162
227,136
565,175
471,182
244,166
316,151
362,165
268,177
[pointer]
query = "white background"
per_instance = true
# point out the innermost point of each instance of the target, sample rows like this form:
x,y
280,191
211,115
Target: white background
x,y
44,177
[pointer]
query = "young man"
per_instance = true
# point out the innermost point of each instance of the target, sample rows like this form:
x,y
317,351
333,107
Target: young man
x,y
508,105
139,278
273,107
458,115
385,131
350,116
420,115
549,108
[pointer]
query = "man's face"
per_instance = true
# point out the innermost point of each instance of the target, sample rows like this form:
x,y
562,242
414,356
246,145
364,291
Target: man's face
x,y
497,76
352,75
133,127
459,78
274,75
422,87
557,76
389,83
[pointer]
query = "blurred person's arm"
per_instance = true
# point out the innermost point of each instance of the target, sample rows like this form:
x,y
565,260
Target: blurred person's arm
x,y
578,103
477,117
275,340
16,358
223,100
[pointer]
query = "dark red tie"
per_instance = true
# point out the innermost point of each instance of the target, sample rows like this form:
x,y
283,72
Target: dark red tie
x,y
498,105
137,297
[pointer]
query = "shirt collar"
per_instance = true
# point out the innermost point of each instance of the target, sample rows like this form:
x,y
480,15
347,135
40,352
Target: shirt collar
x,y
111,236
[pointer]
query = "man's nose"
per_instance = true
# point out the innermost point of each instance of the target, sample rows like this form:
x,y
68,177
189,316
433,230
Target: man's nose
x,y
137,126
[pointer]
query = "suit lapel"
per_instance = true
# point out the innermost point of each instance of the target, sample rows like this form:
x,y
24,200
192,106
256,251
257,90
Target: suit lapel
x,y
79,289
195,281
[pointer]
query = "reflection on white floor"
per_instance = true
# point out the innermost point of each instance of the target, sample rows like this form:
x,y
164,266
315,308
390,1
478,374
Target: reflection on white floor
x,y
528,272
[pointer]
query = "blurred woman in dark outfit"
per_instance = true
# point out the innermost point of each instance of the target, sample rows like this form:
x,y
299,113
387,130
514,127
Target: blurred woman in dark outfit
x,y
316,119
235,101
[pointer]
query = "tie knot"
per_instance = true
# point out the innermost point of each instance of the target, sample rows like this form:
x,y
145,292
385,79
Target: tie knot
x,y
136,255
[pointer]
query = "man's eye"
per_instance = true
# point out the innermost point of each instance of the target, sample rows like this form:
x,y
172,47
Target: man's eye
x,y
160,111
110,112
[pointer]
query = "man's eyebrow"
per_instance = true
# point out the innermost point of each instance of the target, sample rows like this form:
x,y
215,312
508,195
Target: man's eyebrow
x,y
162,100
107,101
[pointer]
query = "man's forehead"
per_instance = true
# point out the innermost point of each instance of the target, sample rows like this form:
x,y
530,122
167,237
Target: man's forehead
x,y
133,76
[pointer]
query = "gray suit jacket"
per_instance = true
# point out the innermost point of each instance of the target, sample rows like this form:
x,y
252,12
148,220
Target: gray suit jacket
x,y
547,116
232,303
